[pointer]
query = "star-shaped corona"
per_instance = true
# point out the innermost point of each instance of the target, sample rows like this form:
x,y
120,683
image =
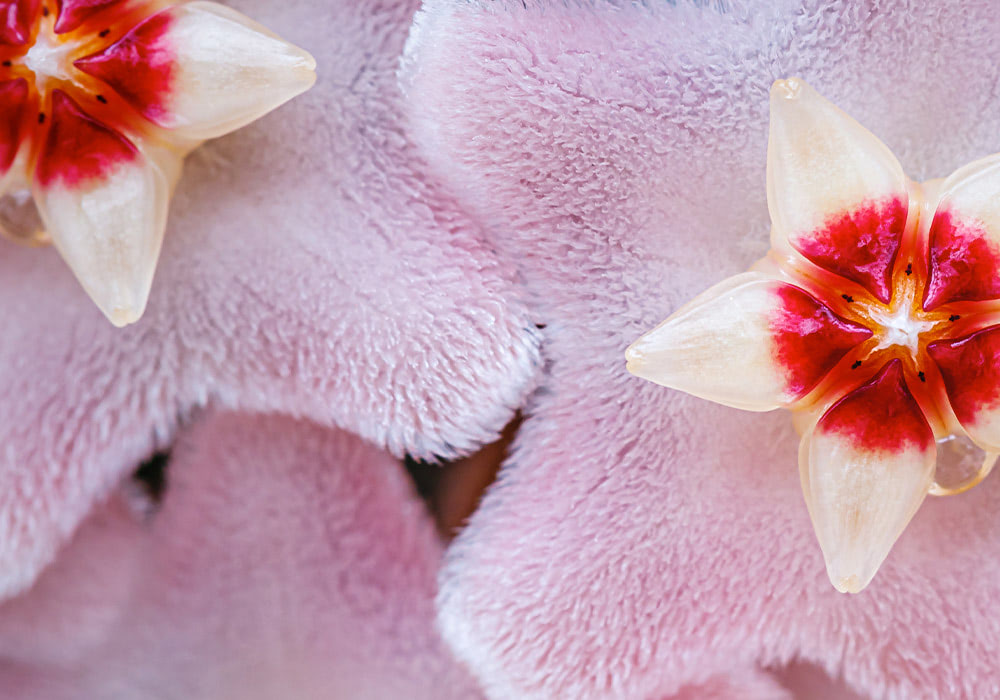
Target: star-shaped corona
x,y
875,317
100,100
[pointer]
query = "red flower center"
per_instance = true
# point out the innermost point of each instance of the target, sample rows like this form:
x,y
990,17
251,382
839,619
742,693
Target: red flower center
x,y
892,304
79,80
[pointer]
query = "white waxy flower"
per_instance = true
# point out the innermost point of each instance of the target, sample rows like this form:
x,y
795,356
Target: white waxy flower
x,y
100,100
876,319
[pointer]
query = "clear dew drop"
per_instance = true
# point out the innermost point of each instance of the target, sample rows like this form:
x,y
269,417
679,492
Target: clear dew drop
x,y
19,219
960,464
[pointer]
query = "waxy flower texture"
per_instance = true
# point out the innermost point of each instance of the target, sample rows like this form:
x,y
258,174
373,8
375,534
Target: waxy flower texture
x,y
589,167
875,318
100,100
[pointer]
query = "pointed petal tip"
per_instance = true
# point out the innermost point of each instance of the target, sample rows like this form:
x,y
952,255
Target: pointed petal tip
x,y
849,584
230,71
650,357
299,72
121,298
857,525
302,75
109,231
788,89
634,358
837,195
306,63
122,316
865,469
119,288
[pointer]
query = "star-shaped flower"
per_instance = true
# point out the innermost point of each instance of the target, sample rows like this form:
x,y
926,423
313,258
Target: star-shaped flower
x,y
648,540
874,316
307,257
100,100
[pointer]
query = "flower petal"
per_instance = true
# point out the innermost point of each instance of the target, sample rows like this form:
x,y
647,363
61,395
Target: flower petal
x,y
202,70
964,237
72,13
752,342
970,368
836,194
105,206
14,100
16,17
865,469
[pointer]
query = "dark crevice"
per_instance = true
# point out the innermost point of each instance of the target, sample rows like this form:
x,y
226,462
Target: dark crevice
x,y
151,477
452,489
806,680
426,476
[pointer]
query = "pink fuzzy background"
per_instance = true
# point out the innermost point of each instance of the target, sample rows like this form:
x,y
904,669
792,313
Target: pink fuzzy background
x,y
361,275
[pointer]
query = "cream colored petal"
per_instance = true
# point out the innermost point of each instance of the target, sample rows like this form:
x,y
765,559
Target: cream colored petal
x,y
865,470
205,69
109,231
964,236
973,190
231,70
751,342
836,194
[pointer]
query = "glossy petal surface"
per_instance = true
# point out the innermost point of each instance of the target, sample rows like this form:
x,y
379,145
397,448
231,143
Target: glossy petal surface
x,y
202,70
296,275
836,194
964,237
73,13
866,468
15,21
970,367
752,342
105,204
645,537
89,84
13,110
286,561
